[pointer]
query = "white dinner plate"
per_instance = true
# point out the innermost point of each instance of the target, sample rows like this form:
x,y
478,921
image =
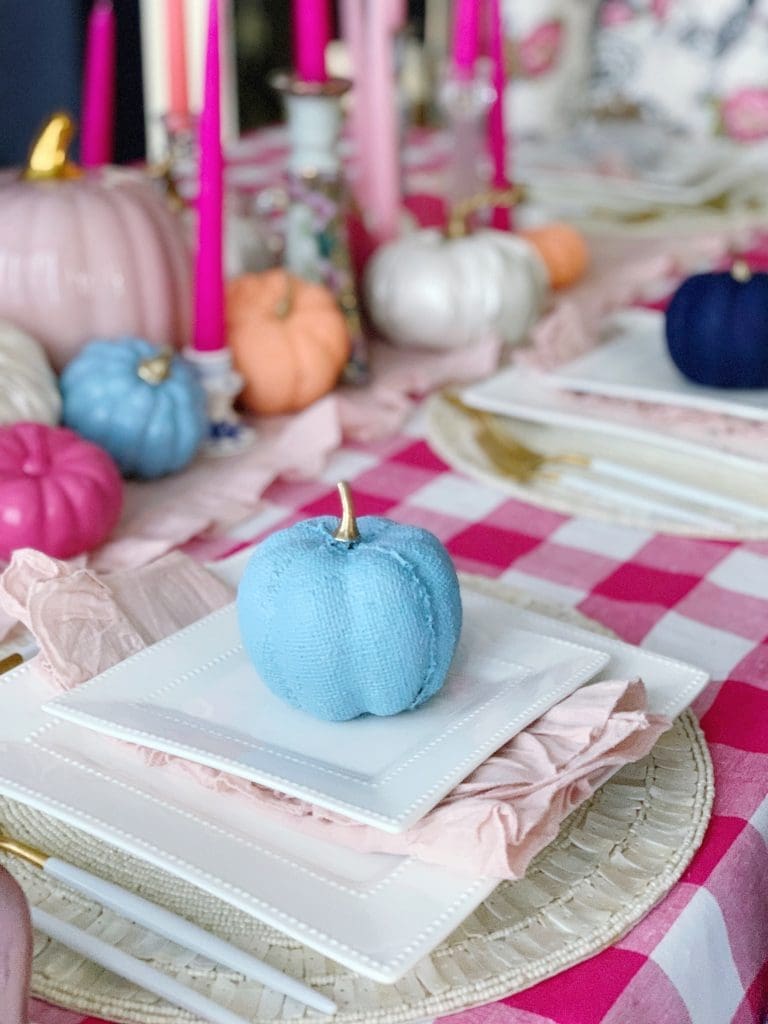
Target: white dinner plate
x,y
197,695
377,914
633,363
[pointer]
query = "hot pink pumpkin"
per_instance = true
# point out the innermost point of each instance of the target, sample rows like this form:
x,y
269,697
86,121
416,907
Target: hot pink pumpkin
x,y
89,255
59,493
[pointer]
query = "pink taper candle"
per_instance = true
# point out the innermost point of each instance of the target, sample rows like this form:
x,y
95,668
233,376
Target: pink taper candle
x,y
209,277
351,17
466,17
98,100
384,19
311,35
497,141
176,40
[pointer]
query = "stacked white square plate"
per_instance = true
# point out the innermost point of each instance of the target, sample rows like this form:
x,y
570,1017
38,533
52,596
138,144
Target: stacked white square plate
x,y
196,695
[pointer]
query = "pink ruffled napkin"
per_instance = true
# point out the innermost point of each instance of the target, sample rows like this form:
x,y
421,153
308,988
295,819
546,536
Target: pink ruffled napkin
x,y
492,824
214,494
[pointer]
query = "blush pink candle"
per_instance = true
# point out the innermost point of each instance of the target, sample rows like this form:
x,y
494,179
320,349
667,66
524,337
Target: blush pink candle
x,y
176,52
98,100
466,19
497,139
384,19
351,17
311,35
208,333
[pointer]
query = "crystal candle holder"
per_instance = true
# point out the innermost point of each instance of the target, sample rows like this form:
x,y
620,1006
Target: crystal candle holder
x,y
465,103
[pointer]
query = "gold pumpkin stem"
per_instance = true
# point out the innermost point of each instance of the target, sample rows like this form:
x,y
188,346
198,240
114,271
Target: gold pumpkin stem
x,y
741,271
156,369
347,531
284,304
458,222
47,159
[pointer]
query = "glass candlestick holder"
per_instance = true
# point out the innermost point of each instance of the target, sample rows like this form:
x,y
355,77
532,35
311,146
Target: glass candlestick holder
x,y
316,241
465,103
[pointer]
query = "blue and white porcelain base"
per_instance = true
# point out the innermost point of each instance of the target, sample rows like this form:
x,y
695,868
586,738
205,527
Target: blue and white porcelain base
x,y
228,434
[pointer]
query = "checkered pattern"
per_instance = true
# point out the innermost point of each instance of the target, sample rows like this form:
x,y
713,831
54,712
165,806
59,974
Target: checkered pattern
x,y
701,957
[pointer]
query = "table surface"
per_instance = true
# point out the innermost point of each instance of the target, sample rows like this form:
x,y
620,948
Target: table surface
x,y
701,956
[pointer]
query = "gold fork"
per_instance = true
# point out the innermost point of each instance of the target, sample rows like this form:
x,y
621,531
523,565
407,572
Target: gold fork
x,y
509,456
507,453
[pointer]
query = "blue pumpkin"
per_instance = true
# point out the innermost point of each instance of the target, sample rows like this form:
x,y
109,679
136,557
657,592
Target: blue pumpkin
x,y
342,622
717,328
144,405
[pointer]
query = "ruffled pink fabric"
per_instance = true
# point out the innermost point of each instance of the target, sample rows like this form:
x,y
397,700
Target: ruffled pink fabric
x,y
509,808
733,434
492,824
214,494
626,271
85,623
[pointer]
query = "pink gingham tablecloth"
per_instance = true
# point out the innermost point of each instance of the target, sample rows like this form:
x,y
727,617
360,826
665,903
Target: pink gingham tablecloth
x,y
701,956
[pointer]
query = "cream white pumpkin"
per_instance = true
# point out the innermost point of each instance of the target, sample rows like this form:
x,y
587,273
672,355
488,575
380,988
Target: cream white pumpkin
x,y
28,386
427,290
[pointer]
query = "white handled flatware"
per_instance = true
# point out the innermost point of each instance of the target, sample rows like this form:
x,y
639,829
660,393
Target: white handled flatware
x,y
169,925
131,969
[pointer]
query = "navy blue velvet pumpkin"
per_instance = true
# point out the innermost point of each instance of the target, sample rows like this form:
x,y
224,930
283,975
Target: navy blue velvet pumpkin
x,y
717,328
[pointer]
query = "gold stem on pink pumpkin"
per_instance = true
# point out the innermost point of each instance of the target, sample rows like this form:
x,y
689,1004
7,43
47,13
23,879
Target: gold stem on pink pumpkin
x,y
48,159
156,369
741,271
347,531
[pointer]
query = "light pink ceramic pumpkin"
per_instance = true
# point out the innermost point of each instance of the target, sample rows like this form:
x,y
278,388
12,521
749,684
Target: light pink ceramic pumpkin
x,y
90,255
15,951
59,493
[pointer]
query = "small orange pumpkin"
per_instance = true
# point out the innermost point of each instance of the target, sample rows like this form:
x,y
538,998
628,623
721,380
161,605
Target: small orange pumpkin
x,y
289,340
563,250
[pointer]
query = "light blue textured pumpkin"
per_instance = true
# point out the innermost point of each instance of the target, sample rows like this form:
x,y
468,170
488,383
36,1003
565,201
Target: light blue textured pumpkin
x,y
342,623
144,405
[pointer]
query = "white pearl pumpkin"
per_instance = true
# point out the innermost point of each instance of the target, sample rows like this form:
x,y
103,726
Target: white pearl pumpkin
x,y
28,387
426,290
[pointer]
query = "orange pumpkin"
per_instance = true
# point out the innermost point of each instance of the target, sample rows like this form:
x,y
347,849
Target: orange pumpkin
x,y
563,250
289,340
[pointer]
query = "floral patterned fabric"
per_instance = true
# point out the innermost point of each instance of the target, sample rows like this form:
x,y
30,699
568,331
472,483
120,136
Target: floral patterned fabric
x,y
548,52
701,67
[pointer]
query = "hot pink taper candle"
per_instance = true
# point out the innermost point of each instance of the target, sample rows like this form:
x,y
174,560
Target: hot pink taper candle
x,y
98,100
208,333
466,24
311,35
176,52
497,138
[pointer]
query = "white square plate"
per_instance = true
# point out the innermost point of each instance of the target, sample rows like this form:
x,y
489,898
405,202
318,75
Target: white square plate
x,y
377,914
196,694
633,363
